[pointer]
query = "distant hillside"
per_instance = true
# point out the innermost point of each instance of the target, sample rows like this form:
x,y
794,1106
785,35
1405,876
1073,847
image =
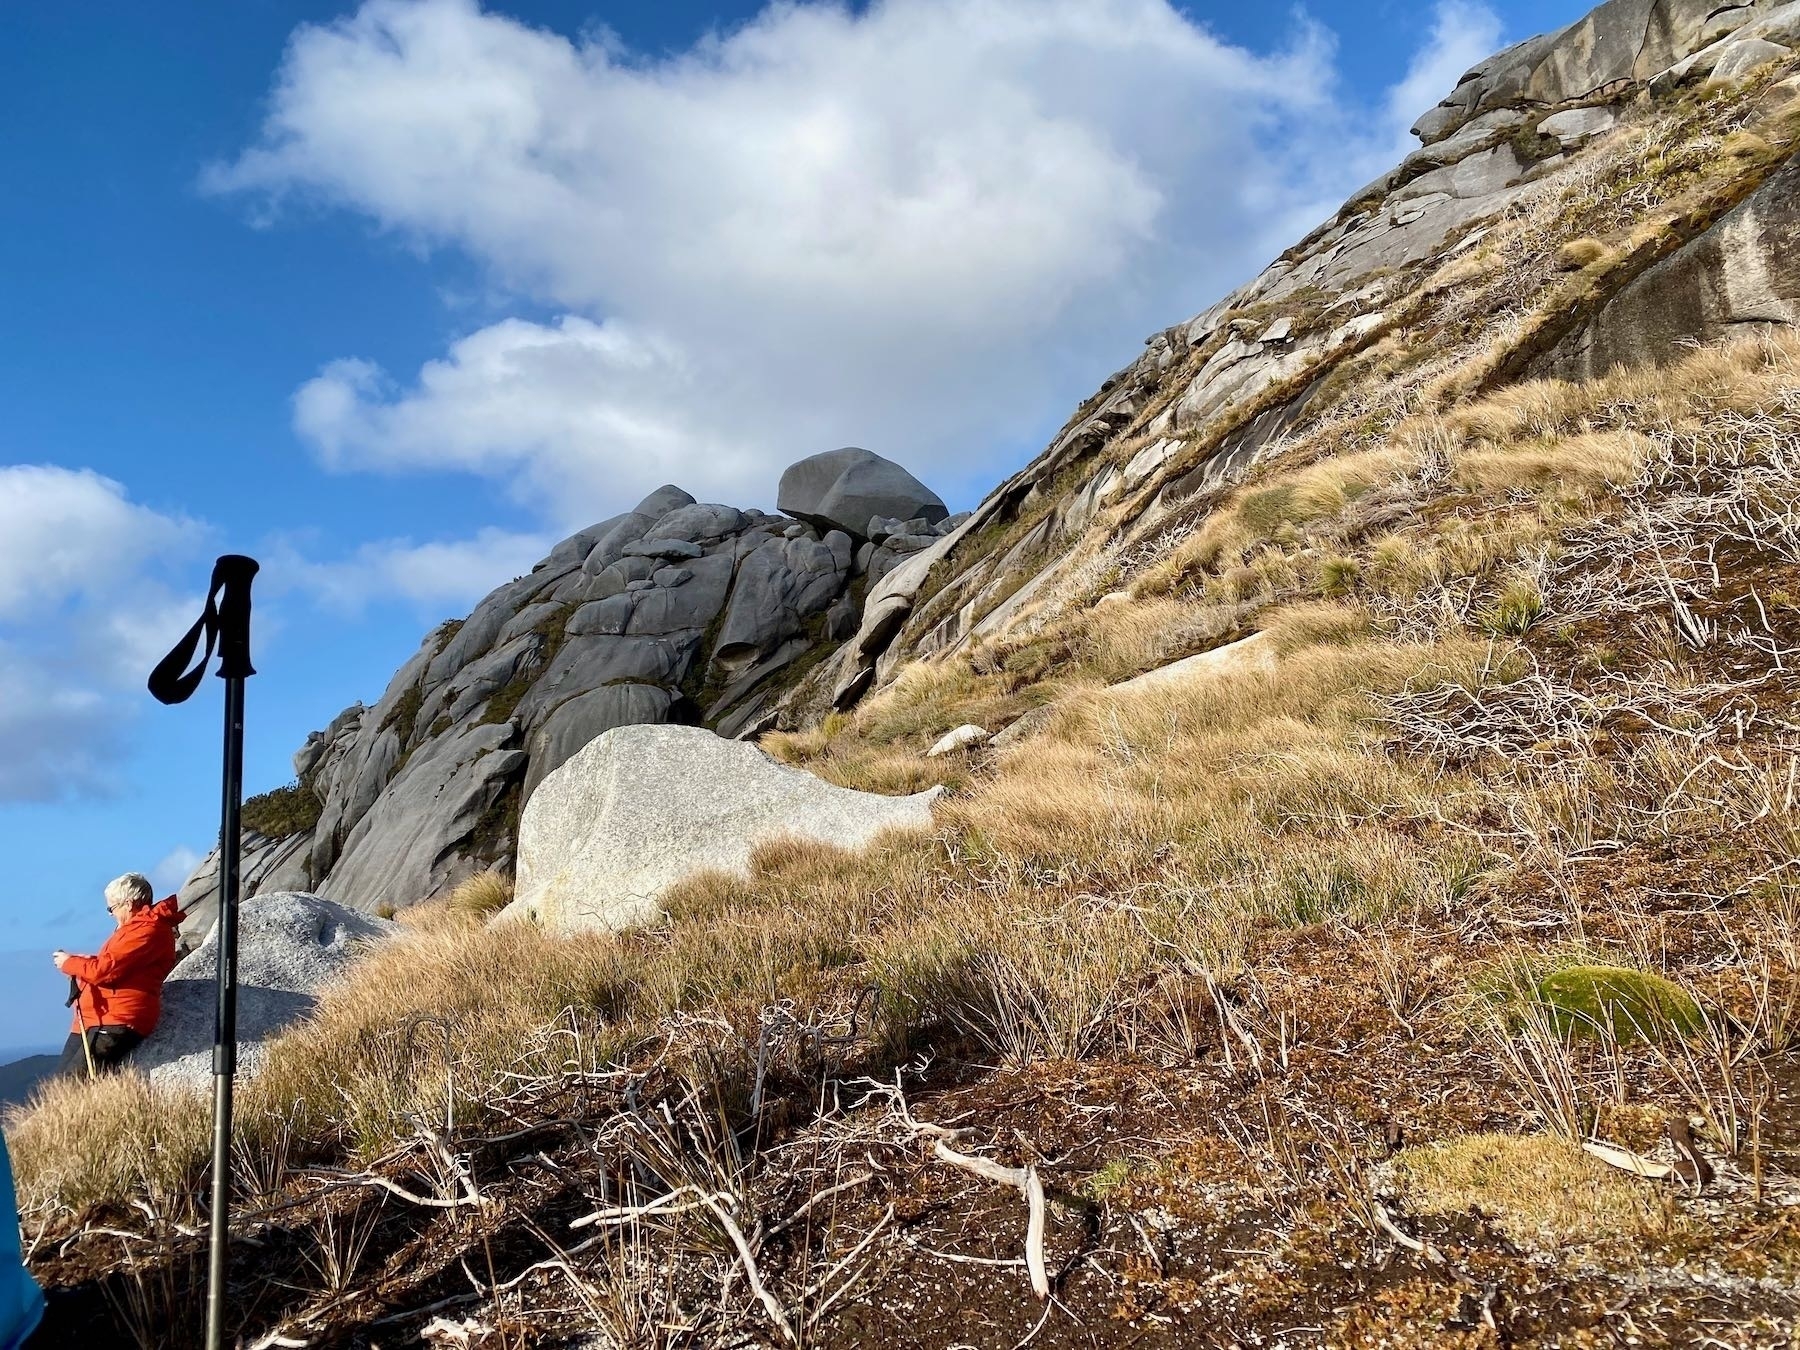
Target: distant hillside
x,y
18,1078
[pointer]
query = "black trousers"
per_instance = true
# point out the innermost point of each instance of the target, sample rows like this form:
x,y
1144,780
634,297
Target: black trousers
x,y
110,1047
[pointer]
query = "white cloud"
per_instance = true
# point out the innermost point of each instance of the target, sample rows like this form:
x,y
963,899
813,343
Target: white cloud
x,y
66,534
58,739
570,407
85,610
175,868
438,576
923,227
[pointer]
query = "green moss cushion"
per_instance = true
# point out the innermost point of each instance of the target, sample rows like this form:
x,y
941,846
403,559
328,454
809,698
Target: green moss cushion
x,y
1631,1004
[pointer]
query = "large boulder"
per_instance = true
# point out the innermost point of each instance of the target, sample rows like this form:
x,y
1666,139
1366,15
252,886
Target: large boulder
x,y
643,807
1741,273
845,489
291,945
779,587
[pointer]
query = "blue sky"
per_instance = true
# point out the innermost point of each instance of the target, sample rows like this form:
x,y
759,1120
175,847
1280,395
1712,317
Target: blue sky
x,y
394,295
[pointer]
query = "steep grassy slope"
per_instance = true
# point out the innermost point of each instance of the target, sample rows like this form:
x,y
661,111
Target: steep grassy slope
x,y
1297,986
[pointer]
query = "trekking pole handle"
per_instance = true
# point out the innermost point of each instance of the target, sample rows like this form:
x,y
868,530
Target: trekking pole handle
x,y
232,576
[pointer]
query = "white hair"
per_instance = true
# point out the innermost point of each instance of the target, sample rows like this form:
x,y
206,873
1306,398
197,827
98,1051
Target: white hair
x,y
133,886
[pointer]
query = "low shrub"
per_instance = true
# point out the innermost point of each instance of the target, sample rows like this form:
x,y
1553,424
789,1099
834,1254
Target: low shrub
x,y
282,812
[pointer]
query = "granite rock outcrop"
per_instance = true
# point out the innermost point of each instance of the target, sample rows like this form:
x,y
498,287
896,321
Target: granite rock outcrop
x,y
676,611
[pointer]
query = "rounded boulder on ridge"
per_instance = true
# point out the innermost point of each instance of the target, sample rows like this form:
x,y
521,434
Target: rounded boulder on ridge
x,y
844,489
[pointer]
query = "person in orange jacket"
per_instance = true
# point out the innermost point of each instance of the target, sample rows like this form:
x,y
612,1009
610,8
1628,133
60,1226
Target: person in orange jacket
x,y
120,987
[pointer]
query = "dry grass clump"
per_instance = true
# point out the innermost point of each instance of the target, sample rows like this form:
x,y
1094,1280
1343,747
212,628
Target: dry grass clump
x,y
1580,253
1598,459
1542,1192
1117,641
351,1078
483,894
82,1143
352,1073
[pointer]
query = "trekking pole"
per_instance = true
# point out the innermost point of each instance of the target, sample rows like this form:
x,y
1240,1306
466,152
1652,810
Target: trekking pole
x,y
225,623
87,1051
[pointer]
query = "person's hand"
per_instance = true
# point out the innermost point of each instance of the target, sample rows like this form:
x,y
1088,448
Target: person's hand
x,y
59,958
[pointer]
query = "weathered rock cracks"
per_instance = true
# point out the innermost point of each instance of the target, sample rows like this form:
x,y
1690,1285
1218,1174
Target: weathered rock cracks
x,y
643,807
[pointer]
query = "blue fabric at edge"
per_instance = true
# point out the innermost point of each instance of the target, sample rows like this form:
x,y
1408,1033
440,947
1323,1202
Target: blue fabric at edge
x,y
21,1301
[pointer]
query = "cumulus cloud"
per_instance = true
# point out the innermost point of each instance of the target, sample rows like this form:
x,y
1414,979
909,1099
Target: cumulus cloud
x,y
85,609
435,576
565,409
68,534
923,227
175,867
94,587
57,739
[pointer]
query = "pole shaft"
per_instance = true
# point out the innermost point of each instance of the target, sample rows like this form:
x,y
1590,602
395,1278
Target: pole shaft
x,y
225,1026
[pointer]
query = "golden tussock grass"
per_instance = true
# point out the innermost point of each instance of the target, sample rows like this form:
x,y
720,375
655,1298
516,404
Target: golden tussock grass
x,y
483,894
83,1143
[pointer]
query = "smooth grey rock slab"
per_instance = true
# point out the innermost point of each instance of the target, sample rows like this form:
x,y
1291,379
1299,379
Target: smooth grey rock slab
x,y
1745,270
842,489
611,545
291,946
840,619
588,663
744,681
1620,42
403,850
578,721
643,807
480,680
779,586
264,864
1479,175
526,621
481,628
1022,730
616,576
1254,655
693,604
571,551
1469,138
1577,126
324,749
909,543
608,616
1742,58
843,548
702,522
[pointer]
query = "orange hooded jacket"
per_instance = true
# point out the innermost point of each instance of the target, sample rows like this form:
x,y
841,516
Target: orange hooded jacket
x,y
122,985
